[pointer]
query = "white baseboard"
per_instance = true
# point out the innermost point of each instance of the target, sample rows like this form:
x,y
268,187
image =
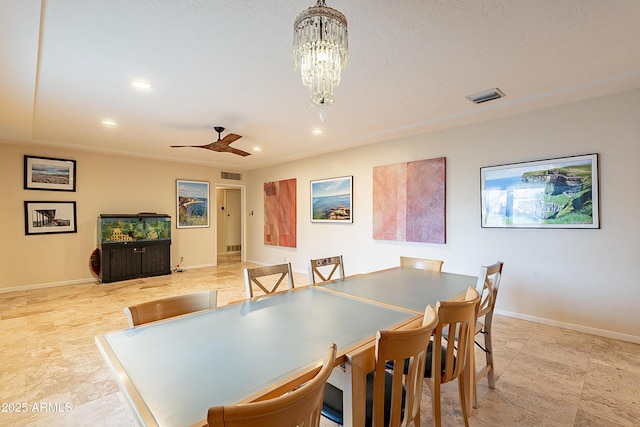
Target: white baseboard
x,y
48,285
77,281
572,326
195,267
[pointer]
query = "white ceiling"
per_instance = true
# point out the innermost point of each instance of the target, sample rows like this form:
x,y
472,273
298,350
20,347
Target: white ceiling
x,y
67,64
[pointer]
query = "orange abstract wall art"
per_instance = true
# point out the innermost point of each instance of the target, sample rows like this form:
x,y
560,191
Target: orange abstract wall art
x,y
280,213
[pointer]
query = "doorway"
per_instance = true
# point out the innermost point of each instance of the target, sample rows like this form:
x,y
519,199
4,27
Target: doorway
x,y
230,222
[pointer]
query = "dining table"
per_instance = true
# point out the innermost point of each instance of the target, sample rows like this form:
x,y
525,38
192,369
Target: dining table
x,y
172,371
409,289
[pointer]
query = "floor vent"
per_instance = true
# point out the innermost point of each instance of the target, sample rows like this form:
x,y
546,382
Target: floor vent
x,y
231,175
234,248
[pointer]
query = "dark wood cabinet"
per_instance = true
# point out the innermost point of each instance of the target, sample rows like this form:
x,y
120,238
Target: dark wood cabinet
x,y
122,261
134,246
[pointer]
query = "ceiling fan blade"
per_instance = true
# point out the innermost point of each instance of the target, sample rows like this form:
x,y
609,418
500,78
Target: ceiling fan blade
x,y
221,145
228,139
238,152
207,146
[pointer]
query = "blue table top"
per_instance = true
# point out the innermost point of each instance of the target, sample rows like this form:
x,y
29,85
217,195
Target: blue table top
x,y
408,288
180,367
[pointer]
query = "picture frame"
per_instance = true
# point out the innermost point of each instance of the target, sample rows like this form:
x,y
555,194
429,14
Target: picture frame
x,y
47,173
332,200
192,204
561,192
49,217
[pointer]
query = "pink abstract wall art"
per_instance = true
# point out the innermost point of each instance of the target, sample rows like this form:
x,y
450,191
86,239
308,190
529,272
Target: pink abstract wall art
x,y
280,213
409,201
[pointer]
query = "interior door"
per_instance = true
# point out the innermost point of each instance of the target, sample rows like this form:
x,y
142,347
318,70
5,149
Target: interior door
x,y
233,220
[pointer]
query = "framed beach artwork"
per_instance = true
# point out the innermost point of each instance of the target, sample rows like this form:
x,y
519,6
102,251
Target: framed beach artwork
x,y
192,204
44,173
553,193
49,217
332,200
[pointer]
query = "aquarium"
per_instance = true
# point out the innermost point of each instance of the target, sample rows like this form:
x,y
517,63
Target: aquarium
x,y
121,228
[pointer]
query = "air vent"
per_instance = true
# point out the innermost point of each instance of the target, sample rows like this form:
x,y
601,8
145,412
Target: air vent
x,y
231,175
484,96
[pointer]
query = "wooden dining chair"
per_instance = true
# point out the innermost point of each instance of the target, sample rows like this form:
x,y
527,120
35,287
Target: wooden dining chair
x,y
164,308
393,395
300,407
421,263
278,273
447,358
487,287
332,265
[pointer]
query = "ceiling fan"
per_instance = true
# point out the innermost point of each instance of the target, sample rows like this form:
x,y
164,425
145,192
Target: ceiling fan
x,y
221,145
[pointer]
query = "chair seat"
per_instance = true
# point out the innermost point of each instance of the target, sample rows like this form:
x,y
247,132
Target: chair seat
x,y
428,361
332,405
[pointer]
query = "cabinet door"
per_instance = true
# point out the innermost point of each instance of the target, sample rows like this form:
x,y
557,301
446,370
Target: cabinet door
x,y
125,262
156,260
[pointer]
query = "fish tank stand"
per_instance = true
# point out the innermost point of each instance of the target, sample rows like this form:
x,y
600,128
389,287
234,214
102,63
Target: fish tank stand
x,y
134,245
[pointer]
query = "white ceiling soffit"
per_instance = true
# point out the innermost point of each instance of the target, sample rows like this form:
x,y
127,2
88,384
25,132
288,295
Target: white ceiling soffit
x,y
65,65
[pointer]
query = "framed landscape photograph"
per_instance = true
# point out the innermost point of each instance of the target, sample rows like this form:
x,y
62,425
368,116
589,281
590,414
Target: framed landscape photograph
x,y
332,200
553,193
49,217
192,204
43,173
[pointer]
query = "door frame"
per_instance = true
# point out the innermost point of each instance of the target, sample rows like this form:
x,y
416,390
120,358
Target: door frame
x,y
243,216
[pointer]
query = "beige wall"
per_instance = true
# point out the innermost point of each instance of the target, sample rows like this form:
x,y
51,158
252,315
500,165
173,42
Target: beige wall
x,y
581,279
105,184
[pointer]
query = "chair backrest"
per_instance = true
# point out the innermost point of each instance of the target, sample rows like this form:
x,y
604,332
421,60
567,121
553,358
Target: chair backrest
x,y
455,319
407,349
300,407
169,307
421,263
278,272
322,265
487,286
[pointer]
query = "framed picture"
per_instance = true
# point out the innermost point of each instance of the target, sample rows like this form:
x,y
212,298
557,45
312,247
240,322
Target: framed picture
x,y
553,193
409,201
49,217
192,204
43,173
332,200
281,213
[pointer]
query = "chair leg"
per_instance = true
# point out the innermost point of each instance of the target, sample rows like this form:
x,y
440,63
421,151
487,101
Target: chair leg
x,y
489,354
435,404
463,400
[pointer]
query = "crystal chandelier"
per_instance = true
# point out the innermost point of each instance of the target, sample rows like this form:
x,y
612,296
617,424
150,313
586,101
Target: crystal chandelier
x,y
320,50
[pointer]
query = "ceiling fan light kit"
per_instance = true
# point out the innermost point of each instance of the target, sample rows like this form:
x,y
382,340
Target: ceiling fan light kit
x,y
320,51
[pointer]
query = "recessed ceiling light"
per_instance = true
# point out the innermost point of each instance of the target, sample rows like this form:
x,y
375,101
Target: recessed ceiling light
x,y
257,149
317,131
141,84
109,123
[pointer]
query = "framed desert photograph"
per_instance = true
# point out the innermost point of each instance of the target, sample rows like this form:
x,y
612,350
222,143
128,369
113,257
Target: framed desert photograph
x,y
332,200
44,173
192,204
553,193
49,217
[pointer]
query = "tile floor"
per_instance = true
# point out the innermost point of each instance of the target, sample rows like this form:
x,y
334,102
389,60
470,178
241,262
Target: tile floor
x,y
51,368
